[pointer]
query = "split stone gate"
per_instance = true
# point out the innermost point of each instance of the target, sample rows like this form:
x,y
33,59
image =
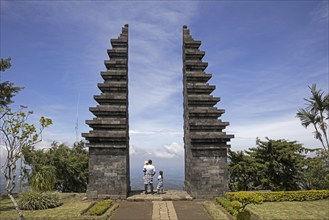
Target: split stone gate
x,y
205,142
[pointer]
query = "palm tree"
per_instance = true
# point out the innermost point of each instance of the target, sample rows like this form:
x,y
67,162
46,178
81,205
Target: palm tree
x,y
317,114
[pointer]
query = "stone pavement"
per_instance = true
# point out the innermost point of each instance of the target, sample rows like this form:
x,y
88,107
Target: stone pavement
x,y
168,195
161,210
173,205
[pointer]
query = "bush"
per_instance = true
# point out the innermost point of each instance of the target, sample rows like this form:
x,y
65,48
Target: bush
x,y
245,197
33,200
100,207
283,195
234,208
308,195
226,205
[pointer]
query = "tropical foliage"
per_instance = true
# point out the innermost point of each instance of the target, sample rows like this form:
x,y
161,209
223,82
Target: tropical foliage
x,y
17,133
7,89
60,167
271,165
316,171
33,200
316,114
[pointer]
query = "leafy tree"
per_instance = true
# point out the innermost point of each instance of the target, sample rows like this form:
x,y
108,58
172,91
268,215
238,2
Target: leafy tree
x,y
282,161
316,113
243,171
316,171
17,133
43,175
69,165
5,64
44,179
7,89
271,165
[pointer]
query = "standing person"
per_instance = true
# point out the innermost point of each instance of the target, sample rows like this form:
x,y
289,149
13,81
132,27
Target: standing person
x,y
160,183
149,173
144,173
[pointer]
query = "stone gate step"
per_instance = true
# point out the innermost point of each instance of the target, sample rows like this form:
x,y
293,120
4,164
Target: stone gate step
x,y
168,195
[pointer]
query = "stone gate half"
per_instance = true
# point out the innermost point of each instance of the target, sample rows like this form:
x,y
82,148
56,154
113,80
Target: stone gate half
x,y
205,142
108,142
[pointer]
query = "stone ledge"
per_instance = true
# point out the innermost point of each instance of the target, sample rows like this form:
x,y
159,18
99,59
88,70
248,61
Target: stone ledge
x,y
169,195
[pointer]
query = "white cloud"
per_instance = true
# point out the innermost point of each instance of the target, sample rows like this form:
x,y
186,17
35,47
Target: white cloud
x,y
3,155
158,132
132,150
43,144
169,151
320,13
276,128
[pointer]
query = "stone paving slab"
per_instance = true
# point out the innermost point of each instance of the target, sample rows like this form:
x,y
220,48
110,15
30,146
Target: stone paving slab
x,y
191,210
133,211
169,195
164,210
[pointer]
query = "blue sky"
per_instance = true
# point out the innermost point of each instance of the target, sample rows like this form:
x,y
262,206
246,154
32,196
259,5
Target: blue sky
x,y
263,56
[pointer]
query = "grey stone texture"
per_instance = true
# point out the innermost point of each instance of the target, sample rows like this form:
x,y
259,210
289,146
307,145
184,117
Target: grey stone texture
x,y
205,142
108,141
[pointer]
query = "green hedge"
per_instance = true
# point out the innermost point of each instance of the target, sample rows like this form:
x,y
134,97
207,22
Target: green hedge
x,y
303,195
100,207
245,198
226,205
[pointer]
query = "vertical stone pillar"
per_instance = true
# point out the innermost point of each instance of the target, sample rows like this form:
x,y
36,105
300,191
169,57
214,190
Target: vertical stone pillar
x,y
108,141
205,142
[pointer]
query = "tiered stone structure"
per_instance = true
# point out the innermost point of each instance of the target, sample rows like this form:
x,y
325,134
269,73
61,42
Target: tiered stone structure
x,y
108,141
205,142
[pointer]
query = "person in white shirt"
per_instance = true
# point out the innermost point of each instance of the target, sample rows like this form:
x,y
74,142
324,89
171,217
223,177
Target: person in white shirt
x,y
149,171
144,172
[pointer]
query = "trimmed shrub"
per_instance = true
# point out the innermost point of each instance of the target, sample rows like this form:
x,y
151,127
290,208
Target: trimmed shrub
x,y
308,195
304,195
34,200
245,198
235,208
226,204
100,207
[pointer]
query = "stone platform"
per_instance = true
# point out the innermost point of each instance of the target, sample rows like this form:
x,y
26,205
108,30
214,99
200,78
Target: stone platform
x,y
168,195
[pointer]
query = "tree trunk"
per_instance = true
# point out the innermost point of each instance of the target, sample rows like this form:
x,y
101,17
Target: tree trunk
x,y
19,211
316,130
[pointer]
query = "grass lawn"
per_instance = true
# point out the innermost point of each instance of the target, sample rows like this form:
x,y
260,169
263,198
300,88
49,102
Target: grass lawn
x,y
71,208
292,210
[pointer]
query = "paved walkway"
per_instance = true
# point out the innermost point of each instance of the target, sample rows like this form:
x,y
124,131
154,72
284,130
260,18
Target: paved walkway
x,y
161,210
172,205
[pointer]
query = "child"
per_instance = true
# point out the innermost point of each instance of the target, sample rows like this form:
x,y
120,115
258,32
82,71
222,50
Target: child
x,y
160,183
